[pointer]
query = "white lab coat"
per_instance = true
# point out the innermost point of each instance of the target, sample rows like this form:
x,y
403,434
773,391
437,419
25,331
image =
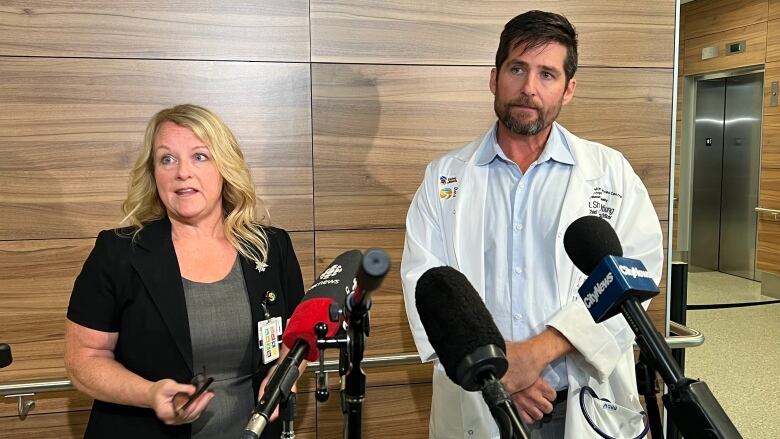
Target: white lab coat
x,y
444,226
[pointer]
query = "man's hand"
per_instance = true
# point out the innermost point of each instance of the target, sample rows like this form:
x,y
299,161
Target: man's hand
x,y
528,358
525,365
534,401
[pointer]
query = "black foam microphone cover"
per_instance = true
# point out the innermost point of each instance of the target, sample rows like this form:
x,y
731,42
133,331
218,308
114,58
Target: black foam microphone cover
x,y
590,239
459,327
5,355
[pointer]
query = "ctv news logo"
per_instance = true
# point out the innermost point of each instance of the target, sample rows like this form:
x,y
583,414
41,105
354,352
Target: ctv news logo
x,y
598,289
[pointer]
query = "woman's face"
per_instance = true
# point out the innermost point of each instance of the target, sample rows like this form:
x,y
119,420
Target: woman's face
x,y
188,182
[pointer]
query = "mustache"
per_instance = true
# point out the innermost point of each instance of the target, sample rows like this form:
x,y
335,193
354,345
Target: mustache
x,y
524,101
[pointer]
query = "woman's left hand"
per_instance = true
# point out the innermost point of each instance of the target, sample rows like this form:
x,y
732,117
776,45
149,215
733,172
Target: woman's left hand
x,y
167,396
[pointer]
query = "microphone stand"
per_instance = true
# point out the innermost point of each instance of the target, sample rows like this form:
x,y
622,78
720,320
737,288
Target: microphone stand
x,y
351,343
278,389
645,380
502,408
691,404
371,273
287,415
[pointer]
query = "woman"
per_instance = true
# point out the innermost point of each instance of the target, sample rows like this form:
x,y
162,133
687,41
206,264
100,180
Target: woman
x,y
181,291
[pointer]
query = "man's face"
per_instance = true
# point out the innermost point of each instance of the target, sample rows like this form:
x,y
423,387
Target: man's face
x,y
530,88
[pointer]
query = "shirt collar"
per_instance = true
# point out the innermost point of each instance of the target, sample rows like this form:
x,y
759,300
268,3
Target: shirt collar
x,y
556,149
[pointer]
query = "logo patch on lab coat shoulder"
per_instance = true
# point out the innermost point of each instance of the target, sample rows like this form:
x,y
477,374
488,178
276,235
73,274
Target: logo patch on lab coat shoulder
x,y
446,193
447,188
603,202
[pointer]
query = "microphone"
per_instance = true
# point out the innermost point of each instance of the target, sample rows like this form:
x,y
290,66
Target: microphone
x,y
469,345
320,304
5,355
617,285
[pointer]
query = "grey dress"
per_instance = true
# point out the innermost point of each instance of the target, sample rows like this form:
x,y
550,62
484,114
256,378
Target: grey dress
x,y
221,332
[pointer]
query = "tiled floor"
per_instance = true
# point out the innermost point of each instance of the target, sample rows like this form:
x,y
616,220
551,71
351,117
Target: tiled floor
x,y
740,358
715,287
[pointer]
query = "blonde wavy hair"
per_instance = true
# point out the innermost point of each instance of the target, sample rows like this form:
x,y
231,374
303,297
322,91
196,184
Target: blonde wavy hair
x,y
243,229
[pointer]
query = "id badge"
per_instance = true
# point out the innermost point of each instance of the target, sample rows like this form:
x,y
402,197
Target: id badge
x,y
269,333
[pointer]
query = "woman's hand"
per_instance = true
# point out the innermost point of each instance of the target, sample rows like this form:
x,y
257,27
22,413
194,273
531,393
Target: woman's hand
x,y
166,397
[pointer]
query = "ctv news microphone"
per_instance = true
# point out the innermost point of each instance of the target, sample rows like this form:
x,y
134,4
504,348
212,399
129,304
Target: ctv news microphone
x,y
467,341
617,285
330,288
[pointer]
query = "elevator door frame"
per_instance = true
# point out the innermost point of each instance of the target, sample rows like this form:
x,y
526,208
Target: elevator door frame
x,y
687,137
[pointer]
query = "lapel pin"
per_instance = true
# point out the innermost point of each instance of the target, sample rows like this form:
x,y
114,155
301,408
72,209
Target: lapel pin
x,y
261,266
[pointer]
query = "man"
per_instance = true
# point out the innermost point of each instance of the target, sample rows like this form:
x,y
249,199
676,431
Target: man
x,y
497,210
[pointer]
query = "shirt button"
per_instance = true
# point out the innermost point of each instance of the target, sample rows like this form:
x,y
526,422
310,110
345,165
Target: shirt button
x,y
517,316
522,185
518,270
470,432
518,227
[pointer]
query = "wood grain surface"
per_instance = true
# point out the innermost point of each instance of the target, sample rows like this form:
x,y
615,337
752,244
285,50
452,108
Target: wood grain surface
x,y
632,33
265,30
376,127
73,128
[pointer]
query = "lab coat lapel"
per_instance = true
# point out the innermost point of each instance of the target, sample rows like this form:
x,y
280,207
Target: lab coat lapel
x,y
469,240
583,176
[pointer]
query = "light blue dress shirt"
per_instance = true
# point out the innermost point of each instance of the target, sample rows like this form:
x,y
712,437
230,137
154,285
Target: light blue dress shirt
x,y
521,222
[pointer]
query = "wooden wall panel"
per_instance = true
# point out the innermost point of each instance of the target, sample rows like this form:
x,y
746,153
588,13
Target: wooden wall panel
x,y
303,243
774,10
36,278
768,244
67,425
391,411
265,30
714,16
631,33
755,51
773,41
46,403
376,127
94,112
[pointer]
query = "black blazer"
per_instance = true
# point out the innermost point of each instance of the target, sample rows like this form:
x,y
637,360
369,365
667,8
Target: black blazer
x,y
135,288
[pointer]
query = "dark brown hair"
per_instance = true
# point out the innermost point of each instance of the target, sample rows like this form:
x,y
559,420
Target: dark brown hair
x,y
537,28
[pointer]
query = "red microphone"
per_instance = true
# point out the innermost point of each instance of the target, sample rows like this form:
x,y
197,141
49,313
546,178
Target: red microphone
x,y
317,306
331,287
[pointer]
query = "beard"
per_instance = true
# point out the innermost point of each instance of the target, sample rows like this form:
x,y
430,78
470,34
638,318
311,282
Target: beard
x,y
544,118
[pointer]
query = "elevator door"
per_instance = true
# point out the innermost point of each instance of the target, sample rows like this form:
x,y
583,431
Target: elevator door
x,y
726,159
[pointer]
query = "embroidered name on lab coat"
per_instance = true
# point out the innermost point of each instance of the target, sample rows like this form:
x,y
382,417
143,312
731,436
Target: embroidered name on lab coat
x,y
602,202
